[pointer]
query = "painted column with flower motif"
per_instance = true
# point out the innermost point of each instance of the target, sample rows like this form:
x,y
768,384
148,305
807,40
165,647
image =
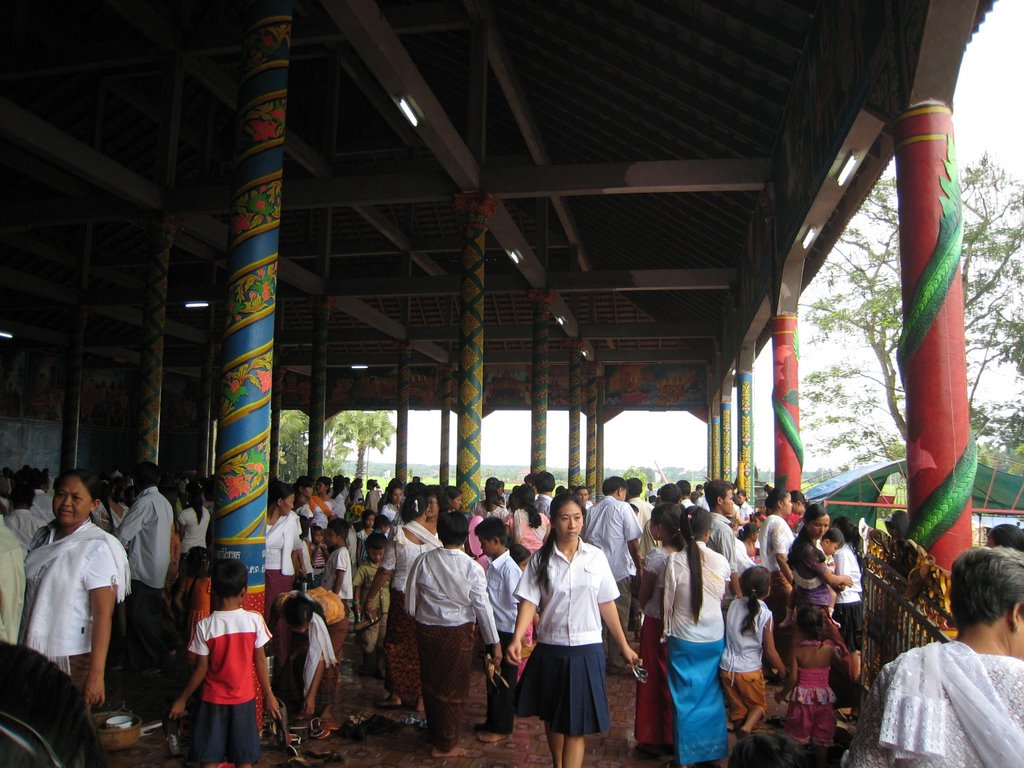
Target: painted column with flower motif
x,y
725,441
73,393
539,373
575,408
318,386
446,424
599,477
942,456
402,428
745,468
591,376
539,380
789,448
243,436
716,447
475,208
161,230
276,397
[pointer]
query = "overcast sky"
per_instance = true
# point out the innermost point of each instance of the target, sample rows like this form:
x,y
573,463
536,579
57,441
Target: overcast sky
x,y
988,115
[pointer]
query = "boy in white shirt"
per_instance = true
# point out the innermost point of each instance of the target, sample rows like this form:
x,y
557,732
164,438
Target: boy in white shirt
x,y
338,571
502,579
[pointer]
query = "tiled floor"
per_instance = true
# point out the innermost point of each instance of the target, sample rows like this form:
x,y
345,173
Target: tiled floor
x,y
406,747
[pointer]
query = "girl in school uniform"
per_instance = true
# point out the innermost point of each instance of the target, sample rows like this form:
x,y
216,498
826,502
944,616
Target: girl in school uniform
x,y
572,583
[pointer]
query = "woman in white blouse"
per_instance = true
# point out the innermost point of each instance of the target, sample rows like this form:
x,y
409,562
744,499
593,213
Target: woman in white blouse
x,y
571,582
775,540
194,519
283,560
695,581
414,534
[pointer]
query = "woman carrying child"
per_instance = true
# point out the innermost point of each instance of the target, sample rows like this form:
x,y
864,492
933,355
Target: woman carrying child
x,y
446,592
748,638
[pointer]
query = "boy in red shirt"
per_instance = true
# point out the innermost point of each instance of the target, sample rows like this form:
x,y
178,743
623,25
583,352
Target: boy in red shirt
x,y
228,643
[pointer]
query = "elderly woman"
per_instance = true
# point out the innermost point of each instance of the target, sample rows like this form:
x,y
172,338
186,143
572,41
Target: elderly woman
x,y
415,535
956,704
74,574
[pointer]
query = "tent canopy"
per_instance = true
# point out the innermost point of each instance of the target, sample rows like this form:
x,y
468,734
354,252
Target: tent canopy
x,y
993,490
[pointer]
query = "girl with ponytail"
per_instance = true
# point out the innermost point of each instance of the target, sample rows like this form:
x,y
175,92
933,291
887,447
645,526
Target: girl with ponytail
x,y
695,583
748,636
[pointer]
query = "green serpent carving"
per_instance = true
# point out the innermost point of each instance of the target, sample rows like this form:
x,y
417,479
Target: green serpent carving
x,y
788,426
942,508
933,287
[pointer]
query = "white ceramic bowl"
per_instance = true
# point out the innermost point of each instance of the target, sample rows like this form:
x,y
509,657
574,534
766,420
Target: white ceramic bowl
x,y
119,721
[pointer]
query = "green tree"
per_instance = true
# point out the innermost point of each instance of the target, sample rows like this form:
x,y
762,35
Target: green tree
x,y
294,446
643,474
860,405
362,430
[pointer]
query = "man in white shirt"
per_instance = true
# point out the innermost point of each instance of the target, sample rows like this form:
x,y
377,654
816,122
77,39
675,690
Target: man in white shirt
x,y
718,494
612,526
684,490
545,487
743,506
145,533
584,493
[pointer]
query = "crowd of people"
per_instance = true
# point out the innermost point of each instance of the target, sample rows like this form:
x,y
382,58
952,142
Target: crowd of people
x,y
725,600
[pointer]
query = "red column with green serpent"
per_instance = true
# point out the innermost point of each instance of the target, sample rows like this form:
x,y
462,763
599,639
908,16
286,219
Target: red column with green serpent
x,y
591,428
789,448
542,301
446,424
575,408
725,442
402,428
745,467
161,230
942,457
243,436
475,208
318,386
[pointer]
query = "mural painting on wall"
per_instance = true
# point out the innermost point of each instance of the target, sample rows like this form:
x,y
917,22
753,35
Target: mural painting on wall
x,y
178,403
507,388
12,381
44,390
369,390
108,398
656,387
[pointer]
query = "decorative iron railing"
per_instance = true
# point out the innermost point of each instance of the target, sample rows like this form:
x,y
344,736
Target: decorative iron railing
x,y
906,602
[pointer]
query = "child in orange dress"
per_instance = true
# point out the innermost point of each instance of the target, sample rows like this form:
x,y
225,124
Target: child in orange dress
x,y
193,598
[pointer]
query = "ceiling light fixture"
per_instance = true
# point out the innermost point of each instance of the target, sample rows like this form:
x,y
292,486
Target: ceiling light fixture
x,y
561,320
514,255
848,168
407,109
809,237
196,304
6,335
360,367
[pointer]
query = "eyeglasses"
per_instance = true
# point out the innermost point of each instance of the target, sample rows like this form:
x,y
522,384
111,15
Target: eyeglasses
x,y
20,739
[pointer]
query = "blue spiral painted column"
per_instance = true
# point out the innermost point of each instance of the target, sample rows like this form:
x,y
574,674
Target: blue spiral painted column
x,y
243,437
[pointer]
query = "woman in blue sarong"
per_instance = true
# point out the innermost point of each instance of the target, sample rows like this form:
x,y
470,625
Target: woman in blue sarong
x,y
695,583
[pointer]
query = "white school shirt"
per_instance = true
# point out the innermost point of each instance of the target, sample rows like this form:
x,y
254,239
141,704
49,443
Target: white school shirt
x,y
743,560
655,563
743,649
338,560
400,553
569,605
389,512
847,565
611,524
775,536
447,588
502,579
282,540
678,612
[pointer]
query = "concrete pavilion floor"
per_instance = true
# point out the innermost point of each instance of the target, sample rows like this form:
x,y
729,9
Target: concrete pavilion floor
x,y
148,697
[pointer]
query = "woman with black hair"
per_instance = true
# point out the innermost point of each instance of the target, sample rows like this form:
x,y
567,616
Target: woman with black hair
x,y
527,525
414,534
695,583
848,611
774,539
283,560
571,583
194,519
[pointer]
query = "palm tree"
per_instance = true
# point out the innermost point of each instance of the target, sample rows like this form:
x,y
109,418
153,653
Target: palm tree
x,y
363,430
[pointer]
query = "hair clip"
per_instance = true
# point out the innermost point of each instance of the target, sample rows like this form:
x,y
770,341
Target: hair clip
x,y
416,505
